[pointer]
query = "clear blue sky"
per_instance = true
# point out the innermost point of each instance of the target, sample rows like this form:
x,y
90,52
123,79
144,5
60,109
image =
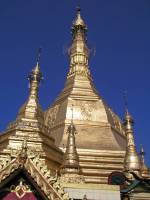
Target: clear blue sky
x,y
120,32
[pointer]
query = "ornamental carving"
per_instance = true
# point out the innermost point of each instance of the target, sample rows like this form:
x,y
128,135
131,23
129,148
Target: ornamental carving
x,y
20,190
52,116
72,178
38,170
87,110
117,123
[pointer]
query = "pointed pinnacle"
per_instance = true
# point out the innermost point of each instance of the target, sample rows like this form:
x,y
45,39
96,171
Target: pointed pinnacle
x,y
37,67
142,152
79,21
36,74
39,55
78,8
125,101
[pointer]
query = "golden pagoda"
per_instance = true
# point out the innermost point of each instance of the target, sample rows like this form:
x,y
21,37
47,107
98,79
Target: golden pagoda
x,y
132,160
78,148
145,172
101,140
29,125
136,173
70,169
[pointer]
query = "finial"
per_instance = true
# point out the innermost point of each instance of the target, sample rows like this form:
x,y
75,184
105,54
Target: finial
x,y
39,55
79,21
79,51
128,120
36,74
125,101
144,169
78,9
142,153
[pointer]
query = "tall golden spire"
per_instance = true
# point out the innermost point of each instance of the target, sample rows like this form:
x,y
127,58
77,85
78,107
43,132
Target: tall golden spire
x,y
79,52
92,116
132,161
71,159
29,128
145,172
31,109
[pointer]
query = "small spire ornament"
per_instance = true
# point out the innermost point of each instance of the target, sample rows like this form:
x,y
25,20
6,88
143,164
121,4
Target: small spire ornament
x,y
31,109
70,169
132,161
71,159
145,172
79,51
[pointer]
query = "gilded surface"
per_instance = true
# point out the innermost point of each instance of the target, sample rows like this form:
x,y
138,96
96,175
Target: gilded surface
x,y
70,169
145,172
91,155
38,170
98,127
71,159
30,126
132,160
52,116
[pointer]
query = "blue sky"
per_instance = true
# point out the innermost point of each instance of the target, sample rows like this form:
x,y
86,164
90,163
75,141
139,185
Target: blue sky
x,y
118,30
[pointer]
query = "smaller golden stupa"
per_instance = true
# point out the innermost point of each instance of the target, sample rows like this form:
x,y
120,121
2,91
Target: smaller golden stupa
x,y
132,160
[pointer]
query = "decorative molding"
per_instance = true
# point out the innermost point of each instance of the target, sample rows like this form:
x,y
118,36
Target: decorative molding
x,y
52,116
38,170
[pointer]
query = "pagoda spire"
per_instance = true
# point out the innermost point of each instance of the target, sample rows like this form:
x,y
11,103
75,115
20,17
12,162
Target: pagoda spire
x,y
132,161
35,78
145,172
79,51
71,159
31,109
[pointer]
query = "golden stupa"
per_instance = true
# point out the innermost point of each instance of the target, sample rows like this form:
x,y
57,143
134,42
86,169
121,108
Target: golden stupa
x,y
101,139
29,126
78,148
